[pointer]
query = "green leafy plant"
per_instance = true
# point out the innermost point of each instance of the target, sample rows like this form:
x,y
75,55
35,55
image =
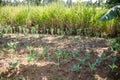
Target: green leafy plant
x,y
11,51
1,35
92,66
103,55
113,59
33,30
113,66
44,51
116,44
76,67
32,56
30,48
12,46
65,55
34,38
98,61
25,31
13,64
58,55
113,12
87,54
82,61
74,53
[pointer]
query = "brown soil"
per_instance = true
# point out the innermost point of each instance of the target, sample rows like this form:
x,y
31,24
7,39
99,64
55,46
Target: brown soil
x,y
47,68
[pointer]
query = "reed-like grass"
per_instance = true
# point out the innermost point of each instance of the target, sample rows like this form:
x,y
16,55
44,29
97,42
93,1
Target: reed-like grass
x,y
56,16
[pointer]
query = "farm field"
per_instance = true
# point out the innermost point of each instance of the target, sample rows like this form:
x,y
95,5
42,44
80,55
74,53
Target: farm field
x,y
57,57
57,40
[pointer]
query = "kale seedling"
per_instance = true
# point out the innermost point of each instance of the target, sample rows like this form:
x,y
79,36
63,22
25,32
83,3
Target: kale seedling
x,y
113,66
113,59
103,55
13,64
30,48
76,67
65,55
32,56
12,47
98,61
87,55
58,55
74,53
92,66
44,52
82,61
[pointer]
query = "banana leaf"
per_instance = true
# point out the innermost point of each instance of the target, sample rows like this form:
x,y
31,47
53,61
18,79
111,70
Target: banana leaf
x,y
110,14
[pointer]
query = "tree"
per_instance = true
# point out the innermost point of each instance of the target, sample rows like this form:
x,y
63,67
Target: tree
x,y
111,13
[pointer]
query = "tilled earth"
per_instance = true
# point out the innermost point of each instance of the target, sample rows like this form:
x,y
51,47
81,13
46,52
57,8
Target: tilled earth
x,y
47,67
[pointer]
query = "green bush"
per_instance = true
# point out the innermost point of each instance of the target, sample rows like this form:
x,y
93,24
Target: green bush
x,y
116,44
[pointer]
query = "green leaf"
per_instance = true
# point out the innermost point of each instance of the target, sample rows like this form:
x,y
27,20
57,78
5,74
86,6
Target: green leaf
x,y
32,57
110,14
76,67
74,53
13,64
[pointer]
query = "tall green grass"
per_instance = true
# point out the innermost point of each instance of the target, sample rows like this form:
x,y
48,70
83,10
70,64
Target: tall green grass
x,y
76,18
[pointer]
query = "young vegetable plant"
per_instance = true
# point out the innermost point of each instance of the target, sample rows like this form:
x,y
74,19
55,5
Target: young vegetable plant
x,y
113,59
17,37
13,64
32,56
12,46
1,35
97,61
58,55
44,52
113,66
74,53
65,55
82,61
103,55
92,66
87,55
30,48
76,67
